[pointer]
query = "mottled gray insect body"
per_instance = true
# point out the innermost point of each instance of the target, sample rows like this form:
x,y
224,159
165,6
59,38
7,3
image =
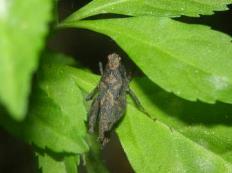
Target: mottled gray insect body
x,y
110,103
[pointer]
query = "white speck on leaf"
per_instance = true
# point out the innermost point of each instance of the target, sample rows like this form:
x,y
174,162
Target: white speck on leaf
x,y
178,93
219,82
205,164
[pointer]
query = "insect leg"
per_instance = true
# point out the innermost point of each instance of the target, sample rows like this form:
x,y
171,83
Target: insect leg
x,y
93,114
101,68
136,100
138,103
91,94
94,91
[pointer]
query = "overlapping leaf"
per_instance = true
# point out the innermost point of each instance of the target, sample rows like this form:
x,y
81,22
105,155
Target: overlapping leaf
x,y
22,31
192,61
171,143
57,114
161,8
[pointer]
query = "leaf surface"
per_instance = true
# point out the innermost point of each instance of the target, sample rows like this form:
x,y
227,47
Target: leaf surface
x,y
22,31
160,8
192,61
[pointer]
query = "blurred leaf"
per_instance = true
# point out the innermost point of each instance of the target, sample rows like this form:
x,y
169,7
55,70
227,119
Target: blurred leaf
x,y
191,137
192,61
161,8
23,27
48,164
57,114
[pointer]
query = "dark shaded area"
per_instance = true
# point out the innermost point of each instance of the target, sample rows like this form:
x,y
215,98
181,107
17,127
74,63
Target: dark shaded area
x,y
115,158
187,111
15,156
220,21
67,7
89,48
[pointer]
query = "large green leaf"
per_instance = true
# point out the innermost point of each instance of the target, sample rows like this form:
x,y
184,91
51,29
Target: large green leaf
x,y
161,8
56,118
192,61
22,30
190,137
49,164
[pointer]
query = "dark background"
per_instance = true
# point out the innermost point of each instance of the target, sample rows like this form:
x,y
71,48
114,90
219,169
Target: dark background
x,y
89,48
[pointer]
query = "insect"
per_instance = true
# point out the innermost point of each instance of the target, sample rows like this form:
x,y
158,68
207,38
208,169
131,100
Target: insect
x,y
109,105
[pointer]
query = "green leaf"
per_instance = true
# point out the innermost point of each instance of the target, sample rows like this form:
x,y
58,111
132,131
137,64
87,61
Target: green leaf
x,y
23,27
57,116
160,8
190,137
49,164
192,61
154,147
